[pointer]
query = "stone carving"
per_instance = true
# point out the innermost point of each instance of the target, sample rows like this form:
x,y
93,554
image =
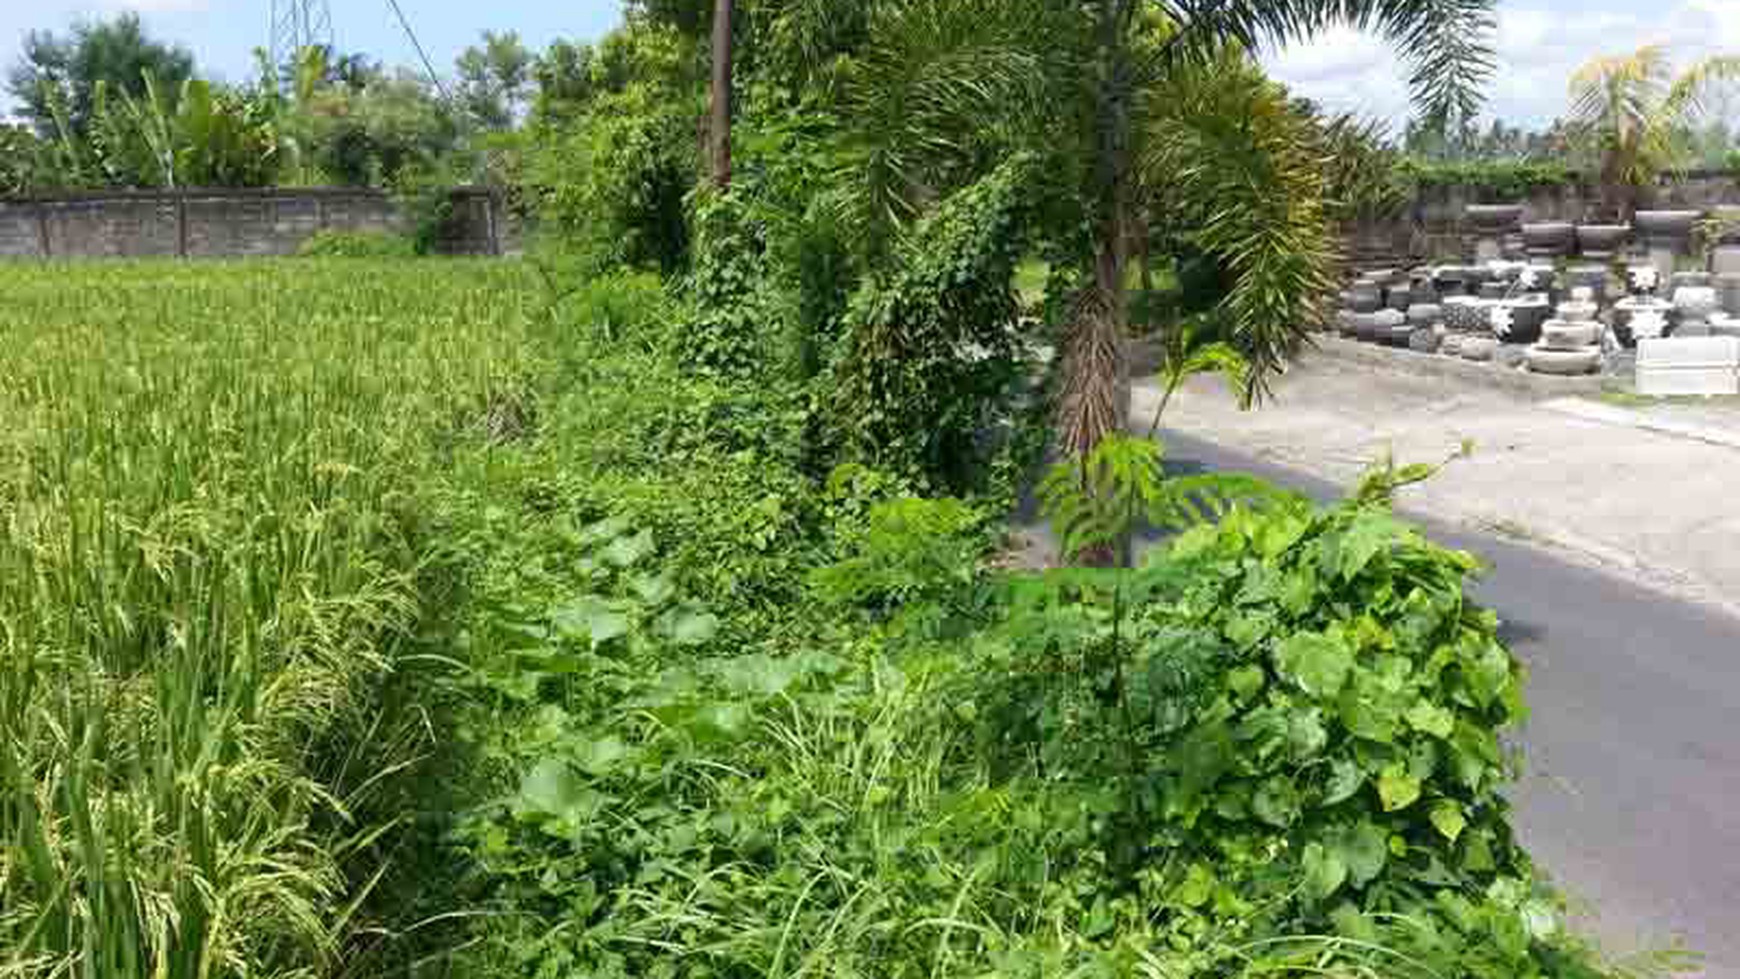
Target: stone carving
x,y
1570,344
1478,348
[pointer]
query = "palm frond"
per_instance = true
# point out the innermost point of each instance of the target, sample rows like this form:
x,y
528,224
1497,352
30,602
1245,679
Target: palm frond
x,y
930,82
1636,110
1246,170
1446,43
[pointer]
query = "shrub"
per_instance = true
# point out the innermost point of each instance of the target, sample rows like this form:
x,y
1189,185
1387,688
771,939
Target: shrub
x,y
356,244
1497,179
931,344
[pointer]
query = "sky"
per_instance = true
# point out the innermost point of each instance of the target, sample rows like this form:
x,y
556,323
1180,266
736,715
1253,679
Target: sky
x,y
223,33
1539,42
1539,45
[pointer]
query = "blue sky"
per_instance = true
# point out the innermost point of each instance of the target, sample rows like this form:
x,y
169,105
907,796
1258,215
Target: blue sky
x,y
223,33
1539,42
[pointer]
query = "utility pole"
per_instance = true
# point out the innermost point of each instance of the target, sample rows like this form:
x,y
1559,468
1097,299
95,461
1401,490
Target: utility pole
x,y
719,130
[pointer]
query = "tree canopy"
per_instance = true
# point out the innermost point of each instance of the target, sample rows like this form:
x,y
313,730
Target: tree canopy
x,y
68,69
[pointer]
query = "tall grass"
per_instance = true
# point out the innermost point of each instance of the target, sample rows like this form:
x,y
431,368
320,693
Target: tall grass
x,y
209,571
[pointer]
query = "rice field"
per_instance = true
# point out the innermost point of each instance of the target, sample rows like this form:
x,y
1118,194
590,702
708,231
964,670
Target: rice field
x,y
210,557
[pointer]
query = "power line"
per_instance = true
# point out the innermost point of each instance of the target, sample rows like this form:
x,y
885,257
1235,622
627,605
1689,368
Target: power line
x,y
430,65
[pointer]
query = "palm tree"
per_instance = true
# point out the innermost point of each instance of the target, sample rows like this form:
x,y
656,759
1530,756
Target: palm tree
x,y
1138,107
1634,112
1445,41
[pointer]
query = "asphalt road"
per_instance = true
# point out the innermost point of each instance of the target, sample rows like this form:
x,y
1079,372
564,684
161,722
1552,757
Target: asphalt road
x,y
1631,798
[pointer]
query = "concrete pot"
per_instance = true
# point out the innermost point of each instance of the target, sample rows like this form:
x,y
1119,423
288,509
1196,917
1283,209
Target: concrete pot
x,y
1666,226
1602,240
1526,318
1465,314
1728,288
1425,314
1493,219
1564,363
1549,239
1368,297
1478,348
1559,335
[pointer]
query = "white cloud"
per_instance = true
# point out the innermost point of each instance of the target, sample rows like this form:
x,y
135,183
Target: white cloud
x,y
1537,48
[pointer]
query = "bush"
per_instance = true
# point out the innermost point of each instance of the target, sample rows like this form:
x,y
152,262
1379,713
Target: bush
x,y
1496,179
932,344
614,181
356,244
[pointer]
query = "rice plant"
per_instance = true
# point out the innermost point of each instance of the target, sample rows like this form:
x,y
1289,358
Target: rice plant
x,y
210,562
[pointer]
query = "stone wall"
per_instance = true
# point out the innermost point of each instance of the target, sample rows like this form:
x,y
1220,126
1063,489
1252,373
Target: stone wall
x,y
1433,228
229,223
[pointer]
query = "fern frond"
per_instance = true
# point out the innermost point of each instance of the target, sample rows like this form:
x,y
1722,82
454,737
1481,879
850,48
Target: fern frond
x,y
1195,501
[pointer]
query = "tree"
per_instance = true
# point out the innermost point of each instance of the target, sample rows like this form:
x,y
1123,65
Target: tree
x,y
495,80
115,54
719,116
1106,68
1634,113
1445,41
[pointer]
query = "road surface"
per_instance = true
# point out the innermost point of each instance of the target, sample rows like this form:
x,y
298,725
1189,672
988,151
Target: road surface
x,y
1631,799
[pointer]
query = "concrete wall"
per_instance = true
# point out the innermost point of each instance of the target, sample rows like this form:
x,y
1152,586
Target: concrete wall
x,y
1433,227
228,223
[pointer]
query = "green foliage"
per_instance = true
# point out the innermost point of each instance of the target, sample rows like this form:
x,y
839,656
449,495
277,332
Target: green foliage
x,y
730,332
614,180
1495,179
931,342
69,69
357,244
23,161
1245,166
1365,178
219,599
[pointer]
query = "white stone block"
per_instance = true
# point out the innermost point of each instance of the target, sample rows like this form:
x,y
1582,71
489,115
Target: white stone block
x,y
1689,352
1685,366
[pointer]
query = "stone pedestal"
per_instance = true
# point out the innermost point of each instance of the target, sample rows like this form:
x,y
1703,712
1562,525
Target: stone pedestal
x,y
1725,260
1492,224
1667,235
1728,291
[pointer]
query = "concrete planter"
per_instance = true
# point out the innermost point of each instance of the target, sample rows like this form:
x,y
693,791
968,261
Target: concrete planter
x,y
1602,240
1493,219
1549,239
1666,226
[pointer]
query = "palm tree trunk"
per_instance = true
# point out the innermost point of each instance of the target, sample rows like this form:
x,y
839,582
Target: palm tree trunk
x,y
1096,389
719,128
1113,175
